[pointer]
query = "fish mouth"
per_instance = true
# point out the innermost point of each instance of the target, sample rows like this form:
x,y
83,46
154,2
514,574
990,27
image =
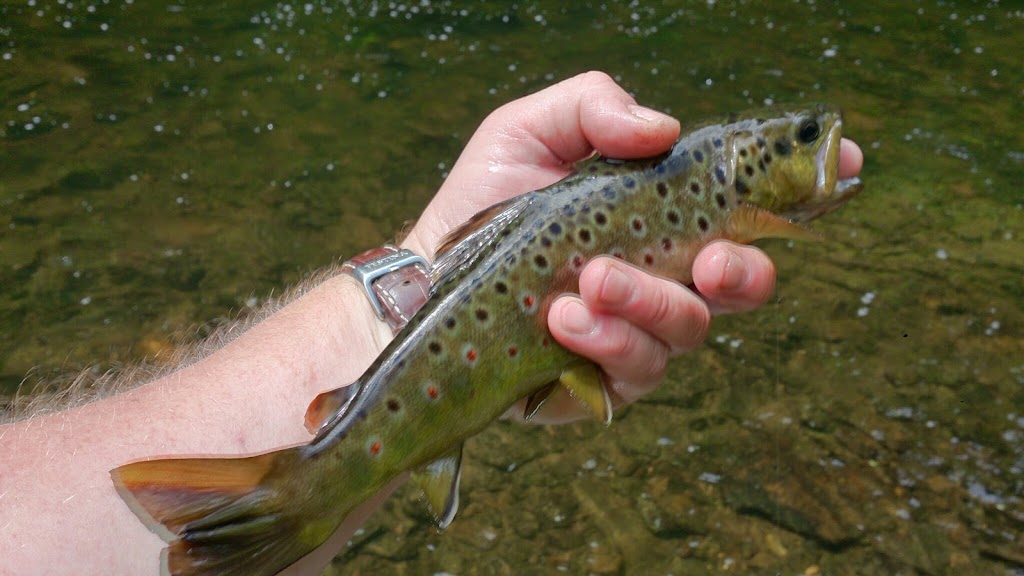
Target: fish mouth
x,y
830,192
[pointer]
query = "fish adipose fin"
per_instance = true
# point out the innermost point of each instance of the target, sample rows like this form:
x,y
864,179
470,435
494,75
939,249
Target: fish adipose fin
x,y
748,223
326,405
219,516
440,483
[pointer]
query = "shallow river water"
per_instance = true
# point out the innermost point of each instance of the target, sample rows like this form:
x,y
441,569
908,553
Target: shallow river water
x,y
164,164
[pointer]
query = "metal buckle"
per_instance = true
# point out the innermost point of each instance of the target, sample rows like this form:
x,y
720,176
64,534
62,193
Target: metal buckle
x,y
368,272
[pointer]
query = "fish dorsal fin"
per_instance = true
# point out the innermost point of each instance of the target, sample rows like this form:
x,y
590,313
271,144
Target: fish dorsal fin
x,y
440,483
463,244
748,223
583,380
326,405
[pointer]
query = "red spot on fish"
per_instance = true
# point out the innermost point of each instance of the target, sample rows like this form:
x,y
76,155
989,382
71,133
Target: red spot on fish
x,y
432,392
375,448
638,224
545,342
648,259
471,355
619,255
512,351
528,301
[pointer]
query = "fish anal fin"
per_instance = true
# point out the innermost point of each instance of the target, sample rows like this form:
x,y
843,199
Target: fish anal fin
x,y
748,223
536,400
326,405
439,481
583,380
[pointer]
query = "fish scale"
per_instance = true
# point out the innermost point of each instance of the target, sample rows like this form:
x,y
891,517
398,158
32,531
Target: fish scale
x,y
481,341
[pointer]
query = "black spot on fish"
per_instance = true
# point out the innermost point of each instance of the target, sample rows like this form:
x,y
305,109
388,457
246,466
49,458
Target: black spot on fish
x,y
666,244
481,314
545,241
662,189
592,168
783,148
600,218
449,323
767,157
584,236
760,165
720,199
506,232
698,156
434,347
760,121
673,216
749,170
628,182
555,228
741,188
393,405
501,287
569,210
608,192
703,223
743,152
695,187
540,261
717,142
659,168
760,142
720,174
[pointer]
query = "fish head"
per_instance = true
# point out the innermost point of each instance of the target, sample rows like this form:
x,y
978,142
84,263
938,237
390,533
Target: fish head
x,y
790,165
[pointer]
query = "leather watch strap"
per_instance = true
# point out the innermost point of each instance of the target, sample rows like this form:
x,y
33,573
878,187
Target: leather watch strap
x,y
396,282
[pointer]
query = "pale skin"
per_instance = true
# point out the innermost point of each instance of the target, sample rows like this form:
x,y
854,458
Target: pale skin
x,y
59,513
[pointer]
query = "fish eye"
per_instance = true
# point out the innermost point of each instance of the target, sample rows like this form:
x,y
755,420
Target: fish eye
x,y
809,131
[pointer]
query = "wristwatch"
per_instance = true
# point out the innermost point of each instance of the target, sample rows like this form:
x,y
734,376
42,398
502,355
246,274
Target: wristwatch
x,y
395,280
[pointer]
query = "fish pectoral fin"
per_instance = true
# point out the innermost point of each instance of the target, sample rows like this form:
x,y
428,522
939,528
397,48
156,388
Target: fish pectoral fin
x,y
748,223
326,405
536,400
583,380
440,483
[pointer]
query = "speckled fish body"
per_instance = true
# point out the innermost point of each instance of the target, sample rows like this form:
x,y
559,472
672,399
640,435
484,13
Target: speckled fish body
x,y
481,341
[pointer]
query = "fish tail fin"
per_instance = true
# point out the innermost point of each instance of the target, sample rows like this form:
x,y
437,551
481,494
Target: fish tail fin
x,y
221,515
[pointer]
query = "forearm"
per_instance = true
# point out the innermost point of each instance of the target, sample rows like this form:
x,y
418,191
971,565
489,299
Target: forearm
x,y
58,509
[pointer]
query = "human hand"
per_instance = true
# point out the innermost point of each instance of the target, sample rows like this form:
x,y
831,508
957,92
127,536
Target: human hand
x,y
628,321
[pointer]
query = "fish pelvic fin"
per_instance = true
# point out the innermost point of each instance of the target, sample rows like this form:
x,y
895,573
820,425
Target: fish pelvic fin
x,y
220,516
584,382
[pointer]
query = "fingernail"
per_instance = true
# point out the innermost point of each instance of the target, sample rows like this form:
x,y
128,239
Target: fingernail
x,y
734,270
577,319
648,115
616,288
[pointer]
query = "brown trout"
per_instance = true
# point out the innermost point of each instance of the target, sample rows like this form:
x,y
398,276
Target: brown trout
x,y
481,342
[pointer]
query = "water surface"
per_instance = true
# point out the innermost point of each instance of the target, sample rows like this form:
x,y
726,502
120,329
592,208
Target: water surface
x,y
164,164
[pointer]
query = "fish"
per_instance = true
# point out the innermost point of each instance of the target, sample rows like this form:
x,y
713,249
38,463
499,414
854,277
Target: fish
x,y
481,343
